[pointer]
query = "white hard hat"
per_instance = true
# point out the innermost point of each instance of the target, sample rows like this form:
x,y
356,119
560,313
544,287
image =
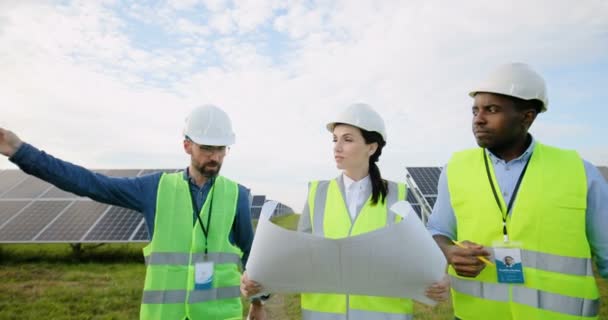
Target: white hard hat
x,y
362,116
209,125
515,80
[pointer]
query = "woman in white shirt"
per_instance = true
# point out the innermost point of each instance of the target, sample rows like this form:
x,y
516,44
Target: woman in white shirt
x,y
355,202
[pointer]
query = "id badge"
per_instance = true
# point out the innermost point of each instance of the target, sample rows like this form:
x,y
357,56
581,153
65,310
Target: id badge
x,y
509,267
203,275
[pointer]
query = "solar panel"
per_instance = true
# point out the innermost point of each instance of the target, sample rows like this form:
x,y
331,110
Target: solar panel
x,y
258,201
142,233
604,171
32,210
255,212
31,187
282,209
31,220
150,171
118,224
123,172
56,193
416,208
426,178
410,197
10,208
9,179
431,201
74,222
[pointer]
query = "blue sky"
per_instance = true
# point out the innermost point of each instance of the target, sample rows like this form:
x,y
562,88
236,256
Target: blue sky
x,y
107,84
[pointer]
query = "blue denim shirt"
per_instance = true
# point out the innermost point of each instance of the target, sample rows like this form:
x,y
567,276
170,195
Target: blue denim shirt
x,y
443,221
136,193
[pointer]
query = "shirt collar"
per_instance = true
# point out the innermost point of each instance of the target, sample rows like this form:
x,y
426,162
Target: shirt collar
x,y
523,157
192,182
348,182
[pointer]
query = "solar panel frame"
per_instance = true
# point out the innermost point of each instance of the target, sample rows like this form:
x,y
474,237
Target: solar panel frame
x,y
426,178
431,200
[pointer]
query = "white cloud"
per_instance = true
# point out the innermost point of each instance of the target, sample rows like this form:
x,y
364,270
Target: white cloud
x,y
216,5
76,81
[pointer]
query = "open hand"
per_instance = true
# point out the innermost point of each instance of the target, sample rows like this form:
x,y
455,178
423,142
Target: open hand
x,y
440,290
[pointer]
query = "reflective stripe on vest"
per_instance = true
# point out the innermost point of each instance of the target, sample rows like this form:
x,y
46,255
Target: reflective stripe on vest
x,y
321,198
171,258
555,263
354,315
179,296
178,243
330,219
528,296
548,219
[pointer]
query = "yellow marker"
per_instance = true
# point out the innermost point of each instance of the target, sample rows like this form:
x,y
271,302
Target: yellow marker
x,y
486,261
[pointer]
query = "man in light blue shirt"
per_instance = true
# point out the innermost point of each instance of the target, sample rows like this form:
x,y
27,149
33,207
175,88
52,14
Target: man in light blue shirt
x,y
443,221
504,108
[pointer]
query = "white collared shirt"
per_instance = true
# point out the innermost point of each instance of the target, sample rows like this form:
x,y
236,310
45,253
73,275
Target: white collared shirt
x,y
356,193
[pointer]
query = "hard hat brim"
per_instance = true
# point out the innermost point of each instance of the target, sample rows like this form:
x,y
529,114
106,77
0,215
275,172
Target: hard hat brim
x,y
217,142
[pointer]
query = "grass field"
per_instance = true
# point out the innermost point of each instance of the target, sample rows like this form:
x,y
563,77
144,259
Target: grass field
x,y
50,282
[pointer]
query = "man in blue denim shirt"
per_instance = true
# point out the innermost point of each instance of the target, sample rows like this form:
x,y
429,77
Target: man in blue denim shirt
x,y
207,135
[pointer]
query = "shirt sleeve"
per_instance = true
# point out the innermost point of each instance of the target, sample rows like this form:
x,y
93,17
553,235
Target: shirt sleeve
x,y
442,220
304,222
132,193
242,229
597,217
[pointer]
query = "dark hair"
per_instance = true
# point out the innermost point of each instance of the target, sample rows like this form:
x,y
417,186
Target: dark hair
x,y
379,185
523,105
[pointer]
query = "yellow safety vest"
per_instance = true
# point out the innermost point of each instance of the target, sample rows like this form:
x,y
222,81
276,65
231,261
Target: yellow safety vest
x,y
177,245
548,218
330,218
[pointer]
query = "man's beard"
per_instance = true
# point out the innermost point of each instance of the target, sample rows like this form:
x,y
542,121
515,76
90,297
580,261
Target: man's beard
x,y
207,172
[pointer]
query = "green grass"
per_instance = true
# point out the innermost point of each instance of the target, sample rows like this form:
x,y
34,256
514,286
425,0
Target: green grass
x,y
50,282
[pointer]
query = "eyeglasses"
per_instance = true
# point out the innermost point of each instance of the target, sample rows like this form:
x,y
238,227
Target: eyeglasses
x,y
211,150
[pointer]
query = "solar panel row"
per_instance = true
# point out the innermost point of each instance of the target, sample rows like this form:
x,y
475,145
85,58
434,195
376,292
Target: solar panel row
x,y
32,210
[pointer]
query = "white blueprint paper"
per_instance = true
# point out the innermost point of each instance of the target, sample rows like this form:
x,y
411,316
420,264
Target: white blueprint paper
x,y
401,260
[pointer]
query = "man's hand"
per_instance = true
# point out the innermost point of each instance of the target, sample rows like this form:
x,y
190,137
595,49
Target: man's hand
x,y
9,142
248,287
440,290
257,311
464,260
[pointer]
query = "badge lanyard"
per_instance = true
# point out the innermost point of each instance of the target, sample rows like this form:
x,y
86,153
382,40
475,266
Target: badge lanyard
x,y
510,205
206,229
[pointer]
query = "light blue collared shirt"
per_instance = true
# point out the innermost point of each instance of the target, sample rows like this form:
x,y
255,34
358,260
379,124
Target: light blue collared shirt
x,y
443,220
